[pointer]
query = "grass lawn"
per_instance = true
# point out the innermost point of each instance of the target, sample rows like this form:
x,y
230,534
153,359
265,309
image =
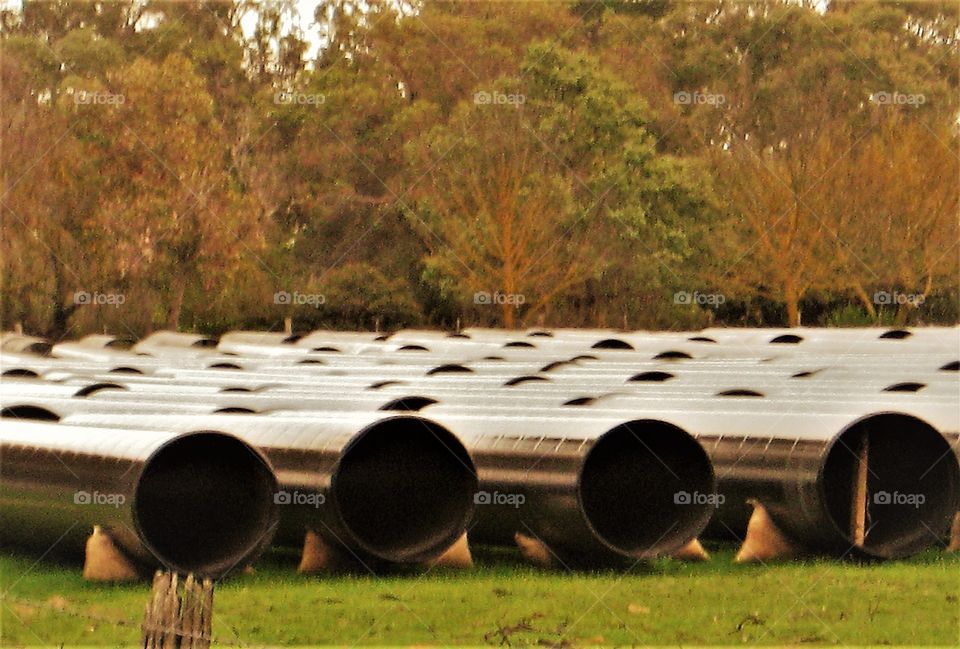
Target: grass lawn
x,y
503,603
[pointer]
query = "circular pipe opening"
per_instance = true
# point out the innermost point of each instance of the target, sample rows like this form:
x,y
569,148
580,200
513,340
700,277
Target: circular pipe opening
x,y
382,384
895,334
408,404
907,386
672,355
93,388
652,376
224,366
125,370
21,373
449,368
204,503
611,343
786,339
520,380
912,487
646,488
35,413
404,489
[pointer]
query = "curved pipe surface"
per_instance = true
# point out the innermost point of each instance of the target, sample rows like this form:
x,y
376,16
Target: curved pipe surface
x,y
200,502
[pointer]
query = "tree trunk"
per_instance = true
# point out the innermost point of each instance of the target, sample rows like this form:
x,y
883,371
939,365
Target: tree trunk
x,y
865,300
178,289
792,299
509,313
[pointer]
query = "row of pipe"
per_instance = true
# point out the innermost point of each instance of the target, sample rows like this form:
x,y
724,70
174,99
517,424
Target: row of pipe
x,y
598,445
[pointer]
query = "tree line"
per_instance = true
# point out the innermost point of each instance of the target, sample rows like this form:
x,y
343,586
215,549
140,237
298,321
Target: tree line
x,y
218,165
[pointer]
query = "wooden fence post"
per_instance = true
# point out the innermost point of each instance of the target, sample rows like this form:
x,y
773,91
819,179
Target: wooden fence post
x,y
179,614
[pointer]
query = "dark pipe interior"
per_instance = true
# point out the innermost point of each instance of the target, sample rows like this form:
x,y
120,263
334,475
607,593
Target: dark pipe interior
x,y
224,366
520,380
611,343
654,376
633,485
671,355
125,370
895,334
906,458
404,489
739,392
408,404
383,384
449,368
93,388
786,339
905,387
21,372
204,503
35,413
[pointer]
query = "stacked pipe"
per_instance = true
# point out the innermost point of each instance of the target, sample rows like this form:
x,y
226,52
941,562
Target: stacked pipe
x,y
581,446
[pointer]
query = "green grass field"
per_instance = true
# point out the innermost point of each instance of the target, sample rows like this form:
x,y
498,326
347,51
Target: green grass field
x,y
503,603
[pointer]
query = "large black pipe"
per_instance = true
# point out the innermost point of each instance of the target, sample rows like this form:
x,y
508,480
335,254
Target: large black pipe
x,y
197,503
590,488
808,482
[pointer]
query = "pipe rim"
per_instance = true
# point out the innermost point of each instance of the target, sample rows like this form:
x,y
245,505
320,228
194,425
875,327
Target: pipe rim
x,y
443,529
248,543
947,466
696,467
